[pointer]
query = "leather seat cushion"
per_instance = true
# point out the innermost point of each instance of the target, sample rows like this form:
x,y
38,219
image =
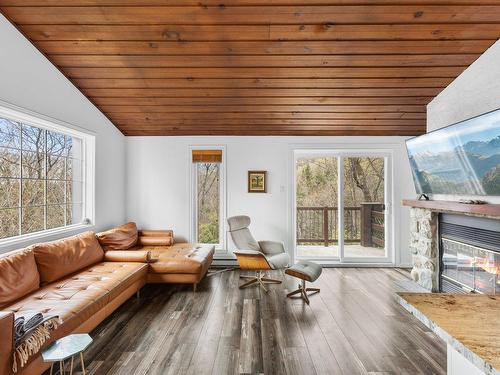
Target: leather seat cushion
x,y
63,257
114,277
278,261
18,276
120,238
305,270
181,258
76,298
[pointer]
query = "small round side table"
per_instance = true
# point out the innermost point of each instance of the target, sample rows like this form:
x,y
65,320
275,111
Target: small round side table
x,y
67,347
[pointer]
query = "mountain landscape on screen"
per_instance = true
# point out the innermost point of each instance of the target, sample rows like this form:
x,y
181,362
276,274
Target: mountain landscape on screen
x,y
460,159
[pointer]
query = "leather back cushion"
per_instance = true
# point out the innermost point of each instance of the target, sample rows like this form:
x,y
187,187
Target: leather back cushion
x,y
18,275
60,258
120,238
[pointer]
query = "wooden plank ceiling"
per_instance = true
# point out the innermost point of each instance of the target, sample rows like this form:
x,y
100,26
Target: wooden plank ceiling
x,y
260,67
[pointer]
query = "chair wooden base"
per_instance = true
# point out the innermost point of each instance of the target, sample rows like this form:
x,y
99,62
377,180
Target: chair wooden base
x,y
303,291
258,279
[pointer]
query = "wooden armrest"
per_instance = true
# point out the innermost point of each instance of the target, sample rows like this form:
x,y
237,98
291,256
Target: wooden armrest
x,y
252,260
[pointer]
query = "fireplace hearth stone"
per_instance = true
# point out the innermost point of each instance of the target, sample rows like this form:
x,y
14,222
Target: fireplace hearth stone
x,y
424,248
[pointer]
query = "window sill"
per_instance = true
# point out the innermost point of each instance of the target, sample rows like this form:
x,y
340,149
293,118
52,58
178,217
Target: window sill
x,y
17,242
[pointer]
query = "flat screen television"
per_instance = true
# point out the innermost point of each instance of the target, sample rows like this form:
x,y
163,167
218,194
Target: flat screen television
x,y
462,158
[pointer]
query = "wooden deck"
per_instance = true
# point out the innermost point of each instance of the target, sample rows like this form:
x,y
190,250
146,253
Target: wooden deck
x,y
354,326
350,250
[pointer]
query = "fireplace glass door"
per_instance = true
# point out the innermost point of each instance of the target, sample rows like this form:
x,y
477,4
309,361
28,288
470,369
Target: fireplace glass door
x,y
471,267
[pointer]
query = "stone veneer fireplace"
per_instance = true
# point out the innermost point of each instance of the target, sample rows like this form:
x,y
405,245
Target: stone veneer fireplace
x,y
424,246
456,252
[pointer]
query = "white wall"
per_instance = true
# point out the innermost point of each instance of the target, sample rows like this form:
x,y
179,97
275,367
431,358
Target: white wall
x,y
158,191
30,81
472,93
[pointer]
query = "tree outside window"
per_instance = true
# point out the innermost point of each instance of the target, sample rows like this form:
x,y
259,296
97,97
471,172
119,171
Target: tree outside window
x,y
41,180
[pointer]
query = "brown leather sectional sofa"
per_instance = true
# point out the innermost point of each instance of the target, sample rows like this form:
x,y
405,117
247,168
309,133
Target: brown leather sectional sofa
x,y
84,278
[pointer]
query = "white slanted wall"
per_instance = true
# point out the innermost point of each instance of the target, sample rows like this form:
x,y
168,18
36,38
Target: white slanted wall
x,y
28,80
474,92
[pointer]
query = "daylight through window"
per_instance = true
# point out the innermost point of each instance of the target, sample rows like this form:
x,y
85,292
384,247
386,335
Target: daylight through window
x,y
207,174
41,179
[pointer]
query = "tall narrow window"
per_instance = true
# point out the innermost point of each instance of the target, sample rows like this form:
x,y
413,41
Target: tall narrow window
x,y
41,179
208,215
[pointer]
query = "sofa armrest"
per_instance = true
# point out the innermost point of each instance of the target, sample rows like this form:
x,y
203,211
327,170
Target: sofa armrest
x,y
7,342
156,233
155,241
272,247
141,256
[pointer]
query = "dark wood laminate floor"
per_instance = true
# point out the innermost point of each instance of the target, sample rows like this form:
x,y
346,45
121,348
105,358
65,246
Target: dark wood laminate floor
x,y
354,326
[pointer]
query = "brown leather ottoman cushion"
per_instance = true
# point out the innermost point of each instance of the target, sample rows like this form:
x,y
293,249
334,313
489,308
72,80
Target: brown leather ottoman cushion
x,y
181,258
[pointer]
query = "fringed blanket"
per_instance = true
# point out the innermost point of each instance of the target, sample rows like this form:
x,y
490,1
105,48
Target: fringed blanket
x,y
31,331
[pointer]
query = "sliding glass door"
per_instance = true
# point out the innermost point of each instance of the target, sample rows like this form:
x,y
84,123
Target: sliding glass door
x,y
317,206
341,206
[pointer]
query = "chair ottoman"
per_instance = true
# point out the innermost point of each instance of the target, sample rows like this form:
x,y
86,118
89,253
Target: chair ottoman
x,y
306,271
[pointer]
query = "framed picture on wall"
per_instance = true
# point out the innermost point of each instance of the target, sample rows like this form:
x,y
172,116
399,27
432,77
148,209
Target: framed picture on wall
x,y
257,181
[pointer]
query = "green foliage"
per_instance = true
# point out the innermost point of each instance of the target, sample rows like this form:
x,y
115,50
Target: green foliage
x,y
208,202
209,232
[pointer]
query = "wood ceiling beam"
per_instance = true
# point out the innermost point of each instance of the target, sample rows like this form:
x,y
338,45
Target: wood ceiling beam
x,y
239,92
186,123
255,15
203,109
259,73
260,32
268,132
111,109
323,101
244,83
227,3
335,47
224,116
263,61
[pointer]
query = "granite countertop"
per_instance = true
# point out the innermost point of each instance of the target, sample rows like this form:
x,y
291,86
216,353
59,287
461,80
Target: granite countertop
x,y
468,322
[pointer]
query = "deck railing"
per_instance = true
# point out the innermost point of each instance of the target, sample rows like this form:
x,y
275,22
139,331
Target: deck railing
x,y
363,224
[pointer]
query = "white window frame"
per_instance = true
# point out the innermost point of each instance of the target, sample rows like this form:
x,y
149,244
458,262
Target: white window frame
x,y
341,152
27,117
220,248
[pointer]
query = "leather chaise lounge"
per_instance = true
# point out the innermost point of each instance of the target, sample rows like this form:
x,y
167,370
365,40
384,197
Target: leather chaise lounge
x,y
84,278
169,262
